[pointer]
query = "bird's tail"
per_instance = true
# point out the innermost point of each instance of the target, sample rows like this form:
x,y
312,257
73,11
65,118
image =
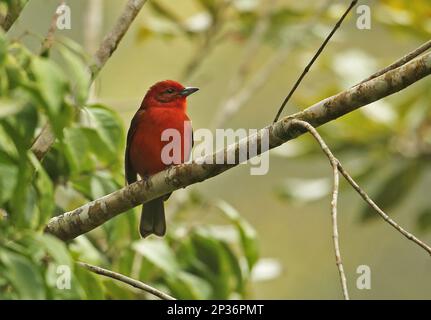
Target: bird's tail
x,y
153,218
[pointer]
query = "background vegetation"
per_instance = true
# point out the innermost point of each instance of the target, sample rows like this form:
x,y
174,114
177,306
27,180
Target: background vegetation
x,y
235,236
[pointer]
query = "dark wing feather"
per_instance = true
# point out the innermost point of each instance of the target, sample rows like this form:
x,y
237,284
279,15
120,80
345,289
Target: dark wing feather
x,y
130,173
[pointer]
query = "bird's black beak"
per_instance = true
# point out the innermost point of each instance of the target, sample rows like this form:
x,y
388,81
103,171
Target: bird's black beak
x,y
188,91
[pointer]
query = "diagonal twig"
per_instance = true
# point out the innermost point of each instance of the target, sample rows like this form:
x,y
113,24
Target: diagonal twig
x,y
127,280
408,57
316,55
241,96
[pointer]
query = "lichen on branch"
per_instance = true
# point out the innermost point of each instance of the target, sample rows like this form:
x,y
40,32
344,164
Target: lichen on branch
x,y
83,219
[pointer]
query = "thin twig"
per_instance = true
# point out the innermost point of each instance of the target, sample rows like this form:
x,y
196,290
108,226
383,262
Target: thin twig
x,y
260,78
334,163
408,57
316,55
127,280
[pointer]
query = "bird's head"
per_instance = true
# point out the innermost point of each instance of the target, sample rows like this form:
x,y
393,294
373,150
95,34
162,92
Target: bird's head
x,y
167,94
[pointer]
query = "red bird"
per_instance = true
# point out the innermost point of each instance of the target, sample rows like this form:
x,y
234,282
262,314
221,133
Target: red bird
x,y
164,107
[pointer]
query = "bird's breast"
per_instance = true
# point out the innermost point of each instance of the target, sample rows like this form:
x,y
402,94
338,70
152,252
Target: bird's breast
x,y
163,137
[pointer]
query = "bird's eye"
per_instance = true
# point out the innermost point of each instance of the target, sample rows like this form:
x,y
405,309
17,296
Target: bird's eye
x,y
170,90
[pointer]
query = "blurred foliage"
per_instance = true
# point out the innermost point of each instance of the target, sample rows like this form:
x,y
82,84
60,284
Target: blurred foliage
x,y
219,20
9,10
390,151
85,163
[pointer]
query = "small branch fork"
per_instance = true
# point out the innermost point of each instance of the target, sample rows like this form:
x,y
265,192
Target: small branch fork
x,y
132,282
338,168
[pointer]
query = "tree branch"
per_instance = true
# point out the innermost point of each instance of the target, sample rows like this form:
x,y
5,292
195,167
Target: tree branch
x,y
46,138
127,280
83,219
314,58
408,57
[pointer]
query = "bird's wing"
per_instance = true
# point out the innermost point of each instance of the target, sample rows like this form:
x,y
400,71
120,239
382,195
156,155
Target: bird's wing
x,y
130,173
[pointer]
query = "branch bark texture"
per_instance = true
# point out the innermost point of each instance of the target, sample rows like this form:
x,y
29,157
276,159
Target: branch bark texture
x,y
83,219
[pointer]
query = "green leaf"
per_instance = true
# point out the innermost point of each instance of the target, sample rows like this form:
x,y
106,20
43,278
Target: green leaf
x,y
91,283
8,178
77,150
54,247
217,264
51,83
104,131
45,191
95,185
24,276
9,107
247,234
118,291
81,78
158,253
84,250
56,164
188,286
3,48
15,74
21,128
